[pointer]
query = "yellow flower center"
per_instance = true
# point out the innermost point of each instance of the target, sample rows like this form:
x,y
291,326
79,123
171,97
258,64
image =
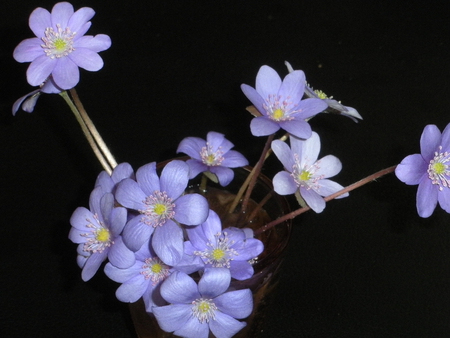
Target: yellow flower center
x,y
203,307
278,114
439,168
156,268
102,235
60,45
159,209
218,254
304,175
321,94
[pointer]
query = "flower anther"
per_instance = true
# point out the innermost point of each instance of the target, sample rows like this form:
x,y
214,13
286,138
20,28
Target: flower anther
x,y
438,169
58,44
155,270
204,309
211,157
304,175
278,109
159,209
218,254
99,238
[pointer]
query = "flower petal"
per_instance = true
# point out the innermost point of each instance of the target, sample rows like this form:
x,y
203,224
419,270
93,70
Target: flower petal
x,y
191,146
39,20
427,197
225,175
263,126
119,255
283,153
412,169
79,18
430,140
179,288
254,98
167,241
171,317
293,86
225,326
136,233
297,127
191,209
327,187
214,282
86,59
28,50
66,73
174,178
268,82
92,264
284,184
329,166
313,199
130,195
238,304
40,69
61,13
234,159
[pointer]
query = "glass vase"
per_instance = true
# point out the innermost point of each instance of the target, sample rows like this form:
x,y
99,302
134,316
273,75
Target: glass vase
x,y
266,266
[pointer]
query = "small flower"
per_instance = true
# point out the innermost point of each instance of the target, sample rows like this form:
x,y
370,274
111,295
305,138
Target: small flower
x,y
304,173
228,248
98,232
144,278
29,101
194,309
160,202
430,170
213,155
60,46
281,104
333,105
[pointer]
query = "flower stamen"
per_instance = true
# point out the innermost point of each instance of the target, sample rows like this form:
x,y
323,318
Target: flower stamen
x,y
99,238
155,270
438,169
204,309
211,157
219,254
278,109
58,44
159,209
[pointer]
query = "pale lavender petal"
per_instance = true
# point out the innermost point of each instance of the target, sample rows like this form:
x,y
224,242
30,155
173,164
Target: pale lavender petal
x,y
283,153
132,289
444,199
284,184
234,159
216,140
293,86
310,107
130,195
119,255
248,248
268,82
225,326
313,199
168,243
94,202
79,218
136,233
328,166
193,329
66,73
211,227
412,169
39,20
327,187
427,197
79,18
61,14
225,175
191,146
241,270
97,43
196,167
86,59
29,104
263,126
191,209
92,264
171,317
106,207
214,282
123,275
254,98
235,235
238,304
298,128
40,69
148,179
77,236
174,178
28,50
430,141
81,31
310,149
179,288
122,171
190,264
50,87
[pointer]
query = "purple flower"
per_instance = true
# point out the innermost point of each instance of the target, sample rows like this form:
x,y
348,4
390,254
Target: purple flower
x,y
144,278
194,309
333,105
281,104
228,248
60,46
304,173
119,173
213,155
29,101
430,170
98,232
160,202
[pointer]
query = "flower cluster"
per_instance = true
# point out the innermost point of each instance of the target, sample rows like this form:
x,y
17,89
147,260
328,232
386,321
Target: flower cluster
x,y
156,232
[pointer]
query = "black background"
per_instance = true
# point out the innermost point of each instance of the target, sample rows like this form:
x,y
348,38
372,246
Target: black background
x,y
368,266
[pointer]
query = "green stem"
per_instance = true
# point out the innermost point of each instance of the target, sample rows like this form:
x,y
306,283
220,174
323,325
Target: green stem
x,y
351,187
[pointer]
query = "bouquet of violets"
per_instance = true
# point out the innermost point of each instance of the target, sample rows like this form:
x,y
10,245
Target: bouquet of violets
x,y
159,237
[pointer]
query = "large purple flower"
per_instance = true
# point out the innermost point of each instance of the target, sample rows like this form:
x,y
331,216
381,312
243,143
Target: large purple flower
x,y
280,103
194,309
213,155
29,101
228,248
144,278
98,232
60,46
161,202
430,170
304,173
333,105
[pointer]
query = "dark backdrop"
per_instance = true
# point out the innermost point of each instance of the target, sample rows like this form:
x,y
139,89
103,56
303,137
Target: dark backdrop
x,y
368,266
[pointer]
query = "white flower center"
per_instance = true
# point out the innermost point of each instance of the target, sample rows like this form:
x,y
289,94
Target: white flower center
x,y
219,253
210,157
98,239
438,169
159,209
304,175
204,309
58,44
279,109
155,270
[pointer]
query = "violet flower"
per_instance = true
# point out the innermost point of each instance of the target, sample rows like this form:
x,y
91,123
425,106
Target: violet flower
x,y
430,170
144,278
161,203
228,248
333,105
29,101
60,46
119,173
213,155
304,173
281,104
194,309
97,231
